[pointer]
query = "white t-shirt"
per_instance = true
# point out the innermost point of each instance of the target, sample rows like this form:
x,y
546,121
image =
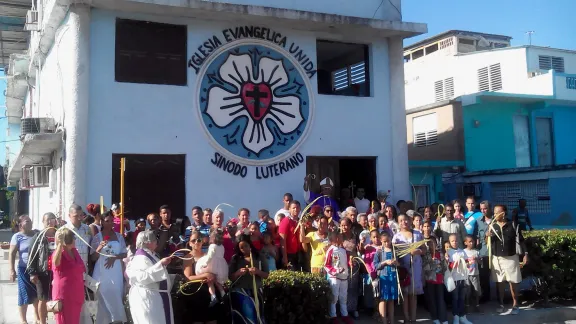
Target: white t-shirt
x,y
362,205
472,258
459,271
281,211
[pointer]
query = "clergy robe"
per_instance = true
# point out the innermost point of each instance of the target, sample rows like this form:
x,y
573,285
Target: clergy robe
x,y
324,201
149,295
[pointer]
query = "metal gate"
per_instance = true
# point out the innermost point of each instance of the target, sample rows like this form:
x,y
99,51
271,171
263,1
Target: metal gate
x,y
535,192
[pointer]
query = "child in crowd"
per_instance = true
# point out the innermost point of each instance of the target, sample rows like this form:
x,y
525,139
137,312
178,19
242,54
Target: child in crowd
x,y
269,251
336,265
255,235
434,268
386,267
473,282
213,262
457,263
263,217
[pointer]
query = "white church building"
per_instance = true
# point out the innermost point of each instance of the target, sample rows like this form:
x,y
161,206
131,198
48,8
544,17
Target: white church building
x,y
210,102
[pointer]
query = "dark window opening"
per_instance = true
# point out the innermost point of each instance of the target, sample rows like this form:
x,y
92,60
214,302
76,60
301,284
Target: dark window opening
x,y
150,181
343,69
432,48
150,53
466,41
418,54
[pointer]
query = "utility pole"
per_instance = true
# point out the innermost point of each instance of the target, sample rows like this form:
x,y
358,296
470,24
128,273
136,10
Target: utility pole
x,y
529,33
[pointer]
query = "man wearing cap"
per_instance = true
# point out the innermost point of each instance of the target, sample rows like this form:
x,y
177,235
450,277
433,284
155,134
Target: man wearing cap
x,y
326,187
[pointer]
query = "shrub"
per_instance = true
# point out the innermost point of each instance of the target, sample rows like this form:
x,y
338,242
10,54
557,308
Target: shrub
x,y
296,297
552,262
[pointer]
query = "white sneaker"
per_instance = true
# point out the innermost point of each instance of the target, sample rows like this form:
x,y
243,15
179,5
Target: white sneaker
x,y
456,320
464,320
436,322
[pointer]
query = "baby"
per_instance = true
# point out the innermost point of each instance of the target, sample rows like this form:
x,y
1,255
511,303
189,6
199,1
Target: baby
x,y
213,262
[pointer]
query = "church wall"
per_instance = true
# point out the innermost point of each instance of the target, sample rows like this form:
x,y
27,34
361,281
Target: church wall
x,y
161,119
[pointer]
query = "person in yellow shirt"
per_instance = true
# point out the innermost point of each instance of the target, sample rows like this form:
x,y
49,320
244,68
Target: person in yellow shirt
x,y
318,241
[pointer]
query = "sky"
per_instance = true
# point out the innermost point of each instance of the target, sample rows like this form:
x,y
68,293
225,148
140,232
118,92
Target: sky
x,y
551,20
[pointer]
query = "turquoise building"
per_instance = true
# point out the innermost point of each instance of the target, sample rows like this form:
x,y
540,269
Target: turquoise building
x,y
497,127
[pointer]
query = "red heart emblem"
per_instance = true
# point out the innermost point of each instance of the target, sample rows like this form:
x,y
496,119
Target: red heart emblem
x,y
257,99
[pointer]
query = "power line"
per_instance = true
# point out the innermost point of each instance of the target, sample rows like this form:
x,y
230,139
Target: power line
x,y
9,141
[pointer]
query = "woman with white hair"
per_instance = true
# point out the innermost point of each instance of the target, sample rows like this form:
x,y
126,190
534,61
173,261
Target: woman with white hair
x,y
149,295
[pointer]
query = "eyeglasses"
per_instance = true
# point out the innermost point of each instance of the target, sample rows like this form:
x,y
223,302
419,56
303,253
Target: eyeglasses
x,y
448,210
328,210
196,241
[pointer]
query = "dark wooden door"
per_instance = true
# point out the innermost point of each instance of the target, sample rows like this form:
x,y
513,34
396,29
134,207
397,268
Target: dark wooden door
x,y
323,167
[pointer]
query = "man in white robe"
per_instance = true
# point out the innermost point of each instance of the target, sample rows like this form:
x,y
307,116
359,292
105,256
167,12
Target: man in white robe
x,y
150,284
362,204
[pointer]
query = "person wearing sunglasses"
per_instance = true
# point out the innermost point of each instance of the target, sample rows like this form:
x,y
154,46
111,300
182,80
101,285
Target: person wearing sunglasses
x,y
447,225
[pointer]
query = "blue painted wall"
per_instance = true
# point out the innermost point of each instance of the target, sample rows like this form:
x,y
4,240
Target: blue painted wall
x,y
490,146
562,201
432,177
563,121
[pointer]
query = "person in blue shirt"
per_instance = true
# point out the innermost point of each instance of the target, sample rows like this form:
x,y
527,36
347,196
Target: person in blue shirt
x,y
471,217
263,218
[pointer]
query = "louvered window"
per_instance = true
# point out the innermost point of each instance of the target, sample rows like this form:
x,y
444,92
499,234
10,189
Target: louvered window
x,y
490,78
551,63
444,89
424,129
354,74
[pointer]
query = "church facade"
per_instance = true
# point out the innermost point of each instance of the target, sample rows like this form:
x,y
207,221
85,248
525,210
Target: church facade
x,y
211,102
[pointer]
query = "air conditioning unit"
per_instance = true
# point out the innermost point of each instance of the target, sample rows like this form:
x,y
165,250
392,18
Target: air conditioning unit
x,y
31,21
52,180
37,125
38,175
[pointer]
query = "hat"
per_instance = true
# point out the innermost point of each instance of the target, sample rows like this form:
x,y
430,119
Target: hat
x,y
327,182
140,220
413,213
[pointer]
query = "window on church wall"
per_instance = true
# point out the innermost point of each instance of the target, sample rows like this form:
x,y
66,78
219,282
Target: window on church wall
x,y
150,53
343,69
425,130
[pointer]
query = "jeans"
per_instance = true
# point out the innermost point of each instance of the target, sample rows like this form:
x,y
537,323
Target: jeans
x,y
484,280
435,301
458,298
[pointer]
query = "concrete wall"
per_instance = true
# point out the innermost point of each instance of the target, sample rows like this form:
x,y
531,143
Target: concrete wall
x,y
450,146
121,115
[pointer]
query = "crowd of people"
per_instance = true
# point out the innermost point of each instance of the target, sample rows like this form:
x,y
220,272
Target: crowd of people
x,y
372,254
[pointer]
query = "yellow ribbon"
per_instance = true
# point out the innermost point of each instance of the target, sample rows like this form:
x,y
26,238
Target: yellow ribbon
x,y
179,257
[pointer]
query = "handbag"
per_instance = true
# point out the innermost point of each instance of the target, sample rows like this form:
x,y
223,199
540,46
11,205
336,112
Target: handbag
x,y
449,281
54,306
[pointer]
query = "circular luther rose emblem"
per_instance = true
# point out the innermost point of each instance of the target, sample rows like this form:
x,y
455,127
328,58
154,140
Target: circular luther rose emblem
x,y
254,102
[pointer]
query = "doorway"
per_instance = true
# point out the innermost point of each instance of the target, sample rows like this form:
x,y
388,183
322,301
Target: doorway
x,y
346,172
150,181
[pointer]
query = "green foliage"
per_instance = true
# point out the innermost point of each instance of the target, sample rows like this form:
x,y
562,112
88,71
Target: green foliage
x,y
553,261
296,297
9,194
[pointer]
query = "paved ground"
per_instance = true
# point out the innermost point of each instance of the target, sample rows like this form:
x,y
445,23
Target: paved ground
x,y
9,309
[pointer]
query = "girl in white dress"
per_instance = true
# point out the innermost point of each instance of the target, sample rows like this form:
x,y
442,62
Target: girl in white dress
x,y
213,262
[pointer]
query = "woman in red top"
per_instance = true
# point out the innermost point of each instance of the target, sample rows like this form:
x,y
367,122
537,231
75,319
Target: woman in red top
x,y
68,283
